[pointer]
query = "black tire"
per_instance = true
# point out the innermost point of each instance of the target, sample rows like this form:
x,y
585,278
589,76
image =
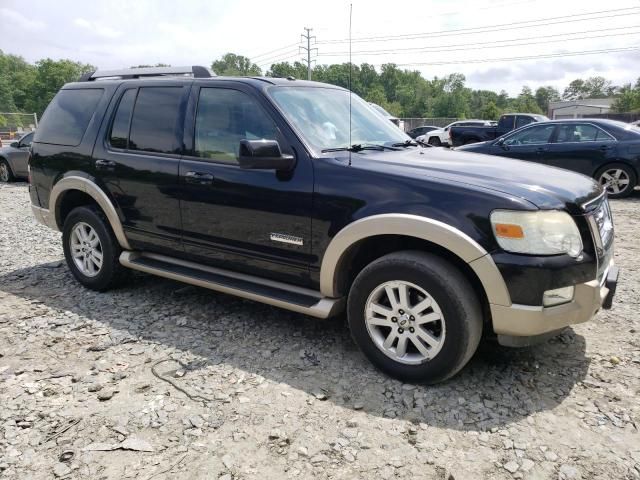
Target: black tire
x,y
461,312
111,273
434,141
628,171
6,175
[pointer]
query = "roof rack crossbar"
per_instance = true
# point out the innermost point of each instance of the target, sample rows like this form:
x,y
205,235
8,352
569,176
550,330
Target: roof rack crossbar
x,y
128,73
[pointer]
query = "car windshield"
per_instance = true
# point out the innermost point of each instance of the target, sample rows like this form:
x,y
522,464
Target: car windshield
x,y
321,116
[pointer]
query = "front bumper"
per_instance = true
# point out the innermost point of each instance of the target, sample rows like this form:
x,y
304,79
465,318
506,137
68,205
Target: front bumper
x,y
538,322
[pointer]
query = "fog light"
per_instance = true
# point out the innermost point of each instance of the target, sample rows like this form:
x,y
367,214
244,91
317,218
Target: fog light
x,y
557,296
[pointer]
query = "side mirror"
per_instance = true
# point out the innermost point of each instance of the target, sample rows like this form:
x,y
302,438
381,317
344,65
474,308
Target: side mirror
x,y
15,144
500,142
264,155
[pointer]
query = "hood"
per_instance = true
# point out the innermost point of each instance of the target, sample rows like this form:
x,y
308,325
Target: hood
x,y
545,187
475,147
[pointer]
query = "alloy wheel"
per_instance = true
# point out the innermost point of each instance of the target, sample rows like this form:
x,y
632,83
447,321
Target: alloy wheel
x,y
4,172
86,249
615,180
405,322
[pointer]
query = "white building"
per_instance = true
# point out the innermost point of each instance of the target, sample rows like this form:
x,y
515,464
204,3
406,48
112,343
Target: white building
x,y
579,108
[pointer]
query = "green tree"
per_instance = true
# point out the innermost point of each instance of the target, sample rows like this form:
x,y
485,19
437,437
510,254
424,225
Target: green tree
x,y
545,95
50,76
235,65
490,112
628,99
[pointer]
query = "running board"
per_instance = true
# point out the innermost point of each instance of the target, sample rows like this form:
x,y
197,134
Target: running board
x,y
279,294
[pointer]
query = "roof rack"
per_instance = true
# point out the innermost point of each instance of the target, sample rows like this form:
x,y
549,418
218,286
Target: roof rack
x,y
128,73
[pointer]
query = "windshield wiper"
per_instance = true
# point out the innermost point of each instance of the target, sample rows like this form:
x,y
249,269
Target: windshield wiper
x,y
406,143
357,147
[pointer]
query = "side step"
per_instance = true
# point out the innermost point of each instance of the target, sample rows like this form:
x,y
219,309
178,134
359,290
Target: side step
x,y
271,292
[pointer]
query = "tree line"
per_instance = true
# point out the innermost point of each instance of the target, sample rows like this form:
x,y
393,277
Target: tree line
x,y
28,88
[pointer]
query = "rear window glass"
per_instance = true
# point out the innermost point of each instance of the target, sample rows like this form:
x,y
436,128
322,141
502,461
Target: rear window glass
x,y
67,116
153,126
120,128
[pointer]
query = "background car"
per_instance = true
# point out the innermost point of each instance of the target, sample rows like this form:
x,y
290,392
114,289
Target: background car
x,y
14,159
606,150
440,136
385,114
466,134
419,131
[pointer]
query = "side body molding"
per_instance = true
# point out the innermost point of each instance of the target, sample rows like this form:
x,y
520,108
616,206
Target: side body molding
x,y
424,228
91,189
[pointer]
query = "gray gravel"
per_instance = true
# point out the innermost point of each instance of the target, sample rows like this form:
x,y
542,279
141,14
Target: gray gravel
x,y
166,381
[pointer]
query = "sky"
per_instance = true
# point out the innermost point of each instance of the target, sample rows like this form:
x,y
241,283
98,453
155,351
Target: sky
x,y
484,40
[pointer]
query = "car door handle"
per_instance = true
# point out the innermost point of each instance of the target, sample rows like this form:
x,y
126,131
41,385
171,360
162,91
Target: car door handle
x,y
541,149
605,147
198,178
105,164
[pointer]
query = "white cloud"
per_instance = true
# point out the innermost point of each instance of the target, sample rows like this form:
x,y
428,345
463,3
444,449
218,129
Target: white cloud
x,y
98,29
8,16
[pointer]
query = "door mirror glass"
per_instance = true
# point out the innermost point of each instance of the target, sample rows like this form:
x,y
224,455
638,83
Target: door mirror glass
x,y
500,141
15,144
263,155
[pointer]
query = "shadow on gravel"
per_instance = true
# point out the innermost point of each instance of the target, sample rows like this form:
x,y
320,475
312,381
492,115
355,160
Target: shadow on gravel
x,y
499,386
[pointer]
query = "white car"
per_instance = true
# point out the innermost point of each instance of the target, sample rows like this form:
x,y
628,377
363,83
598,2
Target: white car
x,y
440,136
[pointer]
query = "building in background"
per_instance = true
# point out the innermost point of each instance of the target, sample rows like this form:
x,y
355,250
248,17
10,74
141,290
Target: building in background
x,y
579,108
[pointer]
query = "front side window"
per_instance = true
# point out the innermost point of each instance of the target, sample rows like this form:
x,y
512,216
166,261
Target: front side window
x,y
154,121
575,133
321,116
26,140
531,136
120,128
67,116
226,116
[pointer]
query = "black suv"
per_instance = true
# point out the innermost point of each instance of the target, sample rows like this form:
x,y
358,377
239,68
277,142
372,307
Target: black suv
x,y
265,188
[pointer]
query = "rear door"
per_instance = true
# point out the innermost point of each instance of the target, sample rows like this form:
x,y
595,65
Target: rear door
x,y
530,143
19,157
581,147
139,158
257,221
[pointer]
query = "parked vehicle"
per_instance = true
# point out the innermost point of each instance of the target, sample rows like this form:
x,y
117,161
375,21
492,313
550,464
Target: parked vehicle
x,y
418,131
606,150
440,136
466,134
14,159
268,189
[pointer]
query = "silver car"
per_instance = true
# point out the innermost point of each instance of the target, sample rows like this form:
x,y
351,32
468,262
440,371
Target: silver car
x,y
14,158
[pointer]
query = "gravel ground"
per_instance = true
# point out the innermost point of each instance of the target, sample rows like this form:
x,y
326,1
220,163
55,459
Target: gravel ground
x,y
165,381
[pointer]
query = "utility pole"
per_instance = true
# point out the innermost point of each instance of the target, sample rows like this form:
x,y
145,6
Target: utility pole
x,y
308,49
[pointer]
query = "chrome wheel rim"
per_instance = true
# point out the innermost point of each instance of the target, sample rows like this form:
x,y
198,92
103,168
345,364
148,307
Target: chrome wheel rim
x,y
86,249
405,322
4,172
615,180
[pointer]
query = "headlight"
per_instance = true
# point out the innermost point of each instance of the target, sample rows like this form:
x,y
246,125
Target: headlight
x,y
549,232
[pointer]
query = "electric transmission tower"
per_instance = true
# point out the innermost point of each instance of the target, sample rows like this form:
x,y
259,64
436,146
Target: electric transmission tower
x,y
308,49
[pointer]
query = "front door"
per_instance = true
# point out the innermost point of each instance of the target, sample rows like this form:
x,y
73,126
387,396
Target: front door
x,y
581,147
258,221
528,144
138,162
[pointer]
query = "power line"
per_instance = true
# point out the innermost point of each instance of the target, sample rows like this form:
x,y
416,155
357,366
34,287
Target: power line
x,y
278,56
491,28
482,46
528,57
278,60
255,57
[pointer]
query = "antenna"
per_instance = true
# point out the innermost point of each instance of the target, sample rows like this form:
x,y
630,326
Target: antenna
x,y
350,73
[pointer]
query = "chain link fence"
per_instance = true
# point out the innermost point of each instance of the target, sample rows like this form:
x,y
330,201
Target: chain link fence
x,y
411,123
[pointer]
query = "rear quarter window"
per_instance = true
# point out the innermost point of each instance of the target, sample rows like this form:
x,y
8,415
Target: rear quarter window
x,y
66,118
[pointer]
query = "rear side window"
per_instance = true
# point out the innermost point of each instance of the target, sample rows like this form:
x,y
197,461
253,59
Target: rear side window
x,y
120,127
67,116
153,126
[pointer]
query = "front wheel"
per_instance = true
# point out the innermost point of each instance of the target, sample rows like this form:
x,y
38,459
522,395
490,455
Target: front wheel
x,y
618,179
415,316
5,172
435,142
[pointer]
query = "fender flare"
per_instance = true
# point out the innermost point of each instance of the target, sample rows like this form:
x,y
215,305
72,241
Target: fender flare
x,y
434,231
90,188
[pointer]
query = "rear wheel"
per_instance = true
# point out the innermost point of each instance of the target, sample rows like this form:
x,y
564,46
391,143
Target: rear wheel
x,y
415,316
435,142
618,179
6,175
91,249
